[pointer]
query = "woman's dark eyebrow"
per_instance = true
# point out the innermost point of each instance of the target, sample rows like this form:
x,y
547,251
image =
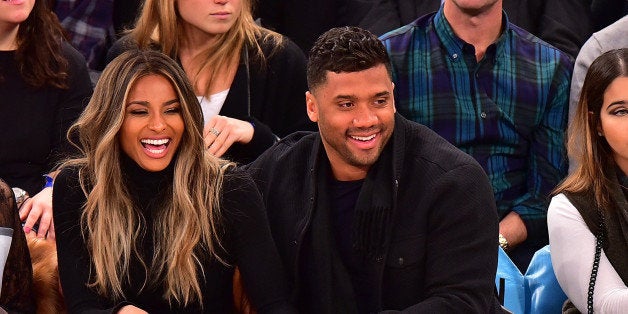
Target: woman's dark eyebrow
x,y
146,103
617,103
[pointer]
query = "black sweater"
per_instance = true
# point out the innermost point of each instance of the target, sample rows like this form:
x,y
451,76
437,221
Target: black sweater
x,y
34,121
247,240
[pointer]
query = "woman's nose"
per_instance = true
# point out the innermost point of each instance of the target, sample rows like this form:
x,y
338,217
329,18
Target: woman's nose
x,y
157,123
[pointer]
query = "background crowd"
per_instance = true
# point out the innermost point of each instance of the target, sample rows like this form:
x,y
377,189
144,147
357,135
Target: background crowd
x,y
530,97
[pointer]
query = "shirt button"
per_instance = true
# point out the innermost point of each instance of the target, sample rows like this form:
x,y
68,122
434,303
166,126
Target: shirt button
x,y
455,56
483,115
400,261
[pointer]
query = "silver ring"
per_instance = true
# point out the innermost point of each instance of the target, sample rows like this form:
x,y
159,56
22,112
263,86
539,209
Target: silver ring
x,y
214,131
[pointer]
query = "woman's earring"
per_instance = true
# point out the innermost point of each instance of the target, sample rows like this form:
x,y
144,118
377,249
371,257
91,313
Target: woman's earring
x,y
599,133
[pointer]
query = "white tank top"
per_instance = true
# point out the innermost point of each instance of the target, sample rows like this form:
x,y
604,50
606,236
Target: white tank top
x,y
212,106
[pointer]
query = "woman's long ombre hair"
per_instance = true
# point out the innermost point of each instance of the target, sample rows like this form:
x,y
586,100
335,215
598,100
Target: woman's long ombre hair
x,y
186,230
591,151
159,24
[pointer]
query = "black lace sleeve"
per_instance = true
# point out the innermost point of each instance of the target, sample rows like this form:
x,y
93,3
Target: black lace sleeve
x,y
17,279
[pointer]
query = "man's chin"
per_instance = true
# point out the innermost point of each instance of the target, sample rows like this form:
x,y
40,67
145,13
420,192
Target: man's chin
x,y
364,160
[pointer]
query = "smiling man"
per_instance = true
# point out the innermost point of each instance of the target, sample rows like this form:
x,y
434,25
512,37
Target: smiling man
x,y
375,212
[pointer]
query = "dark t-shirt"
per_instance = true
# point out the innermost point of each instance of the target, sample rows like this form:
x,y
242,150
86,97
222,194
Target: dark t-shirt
x,y
343,198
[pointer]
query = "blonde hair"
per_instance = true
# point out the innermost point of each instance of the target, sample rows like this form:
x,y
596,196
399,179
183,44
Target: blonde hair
x,y
159,24
591,151
188,224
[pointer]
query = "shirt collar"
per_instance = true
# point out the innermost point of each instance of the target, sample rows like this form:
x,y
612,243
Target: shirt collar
x,y
456,46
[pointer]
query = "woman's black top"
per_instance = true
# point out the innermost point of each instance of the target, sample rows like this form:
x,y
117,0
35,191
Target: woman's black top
x,y
34,121
246,238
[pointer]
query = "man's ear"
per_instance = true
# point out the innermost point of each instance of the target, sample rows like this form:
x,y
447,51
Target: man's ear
x,y
312,106
393,97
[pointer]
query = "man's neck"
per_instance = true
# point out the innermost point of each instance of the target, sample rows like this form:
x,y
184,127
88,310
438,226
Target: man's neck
x,y
480,30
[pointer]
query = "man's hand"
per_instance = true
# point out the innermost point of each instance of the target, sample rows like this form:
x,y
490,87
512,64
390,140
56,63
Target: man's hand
x,y
39,209
221,132
513,229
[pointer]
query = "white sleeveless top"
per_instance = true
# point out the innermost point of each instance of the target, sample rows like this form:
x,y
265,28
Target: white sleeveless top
x,y
212,106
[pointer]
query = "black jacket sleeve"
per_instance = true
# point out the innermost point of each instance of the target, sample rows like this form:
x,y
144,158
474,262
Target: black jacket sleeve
x,y
461,244
252,245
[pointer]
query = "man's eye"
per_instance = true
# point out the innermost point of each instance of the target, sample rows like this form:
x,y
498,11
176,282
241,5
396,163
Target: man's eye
x,y
345,104
381,102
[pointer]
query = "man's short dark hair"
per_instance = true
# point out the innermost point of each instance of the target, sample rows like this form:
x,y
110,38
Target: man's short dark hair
x,y
344,49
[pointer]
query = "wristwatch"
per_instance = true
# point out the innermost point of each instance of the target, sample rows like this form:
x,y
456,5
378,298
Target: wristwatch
x,y
503,242
20,196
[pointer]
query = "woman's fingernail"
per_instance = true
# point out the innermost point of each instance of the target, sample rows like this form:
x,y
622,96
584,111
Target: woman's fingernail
x,y
27,229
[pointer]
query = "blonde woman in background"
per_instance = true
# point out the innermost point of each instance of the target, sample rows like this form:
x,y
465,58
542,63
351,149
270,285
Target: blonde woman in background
x,y
147,219
250,81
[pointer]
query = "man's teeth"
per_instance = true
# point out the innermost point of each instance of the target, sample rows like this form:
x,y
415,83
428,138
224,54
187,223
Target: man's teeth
x,y
363,138
155,142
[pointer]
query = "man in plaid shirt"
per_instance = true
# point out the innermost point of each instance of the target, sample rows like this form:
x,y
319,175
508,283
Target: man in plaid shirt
x,y
496,92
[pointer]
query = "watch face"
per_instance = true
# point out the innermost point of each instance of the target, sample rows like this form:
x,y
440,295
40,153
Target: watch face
x,y
18,192
20,196
503,242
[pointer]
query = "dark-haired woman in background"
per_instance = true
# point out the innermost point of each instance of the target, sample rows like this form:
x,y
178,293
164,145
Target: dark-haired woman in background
x,y
588,218
44,87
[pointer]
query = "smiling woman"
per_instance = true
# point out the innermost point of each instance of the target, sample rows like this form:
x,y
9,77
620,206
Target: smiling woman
x,y
147,219
153,126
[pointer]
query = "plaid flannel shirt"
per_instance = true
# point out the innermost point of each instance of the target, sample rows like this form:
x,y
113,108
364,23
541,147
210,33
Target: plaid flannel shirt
x,y
508,111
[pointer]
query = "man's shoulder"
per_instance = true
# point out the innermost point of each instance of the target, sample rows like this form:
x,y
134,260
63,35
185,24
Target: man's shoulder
x,y
296,141
406,32
294,148
123,44
612,36
71,53
427,148
528,44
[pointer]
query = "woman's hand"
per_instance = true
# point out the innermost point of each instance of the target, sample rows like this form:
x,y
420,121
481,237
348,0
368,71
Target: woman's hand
x,y
221,132
39,208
